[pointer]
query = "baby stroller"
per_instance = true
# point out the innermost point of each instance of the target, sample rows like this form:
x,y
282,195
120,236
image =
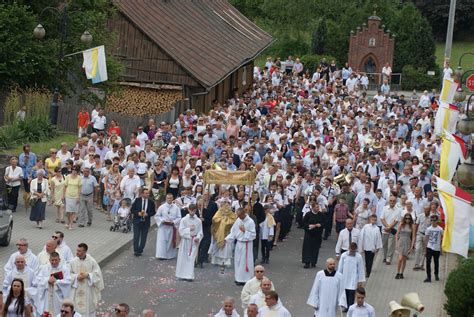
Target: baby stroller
x,y
123,224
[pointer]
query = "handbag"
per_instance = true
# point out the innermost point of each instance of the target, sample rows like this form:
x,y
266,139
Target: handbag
x,y
33,201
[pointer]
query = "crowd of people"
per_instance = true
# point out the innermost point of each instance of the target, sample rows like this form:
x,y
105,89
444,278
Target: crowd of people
x,y
326,156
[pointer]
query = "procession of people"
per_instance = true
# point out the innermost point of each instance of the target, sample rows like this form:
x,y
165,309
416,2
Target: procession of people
x,y
328,159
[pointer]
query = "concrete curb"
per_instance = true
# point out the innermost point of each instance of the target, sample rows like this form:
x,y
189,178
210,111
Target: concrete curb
x,y
117,251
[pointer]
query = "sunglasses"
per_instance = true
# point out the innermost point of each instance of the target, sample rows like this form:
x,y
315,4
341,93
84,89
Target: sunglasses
x,y
64,311
259,271
55,237
118,311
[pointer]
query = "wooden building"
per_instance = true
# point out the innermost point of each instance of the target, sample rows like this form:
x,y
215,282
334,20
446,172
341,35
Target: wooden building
x,y
205,48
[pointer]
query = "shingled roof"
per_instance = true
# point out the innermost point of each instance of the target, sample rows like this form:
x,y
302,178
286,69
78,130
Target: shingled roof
x,y
208,38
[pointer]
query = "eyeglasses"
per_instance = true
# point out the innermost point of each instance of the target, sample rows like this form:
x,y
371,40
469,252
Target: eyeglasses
x,y
55,237
259,271
63,311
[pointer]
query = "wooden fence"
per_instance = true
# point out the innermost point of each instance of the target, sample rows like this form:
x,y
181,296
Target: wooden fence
x,y
68,110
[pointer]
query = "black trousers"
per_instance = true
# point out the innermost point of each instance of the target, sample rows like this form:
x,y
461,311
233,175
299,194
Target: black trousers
x,y
266,246
26,185
140,232
204,245
369,261
12,195
429,255
299,212
328,224
350,296
255,244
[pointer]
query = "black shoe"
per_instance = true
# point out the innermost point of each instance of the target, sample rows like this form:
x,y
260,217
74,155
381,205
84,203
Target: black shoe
x,y
89,224
267,261
136,254
201,266
306,266
401,276
239,283
428,280
397,277
80,226
313,265
345,310
325,238
436,278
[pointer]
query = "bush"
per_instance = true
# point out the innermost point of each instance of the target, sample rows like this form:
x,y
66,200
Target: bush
x,y
33,129
459,291
310,62
417,78
36,101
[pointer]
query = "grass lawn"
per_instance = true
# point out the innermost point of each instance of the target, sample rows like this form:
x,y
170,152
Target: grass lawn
x,y
458,49
42,148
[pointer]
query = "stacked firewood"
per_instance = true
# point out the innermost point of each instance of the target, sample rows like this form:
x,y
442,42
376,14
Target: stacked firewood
x,y
137,101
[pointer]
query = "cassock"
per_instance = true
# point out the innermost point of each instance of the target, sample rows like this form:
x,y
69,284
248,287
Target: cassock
x,y
167,219
243,253
327,294
28,277
221,313
190,231
250,288
30,259
51,296
277,310
86,293
207,214
312,237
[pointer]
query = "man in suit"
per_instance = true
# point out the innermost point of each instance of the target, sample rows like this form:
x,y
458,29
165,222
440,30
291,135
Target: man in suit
x,y
142,209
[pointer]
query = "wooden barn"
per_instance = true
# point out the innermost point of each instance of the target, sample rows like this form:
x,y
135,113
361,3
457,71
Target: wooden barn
x,y
201,49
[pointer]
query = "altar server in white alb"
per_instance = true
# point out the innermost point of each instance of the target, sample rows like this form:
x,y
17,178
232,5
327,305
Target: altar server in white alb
x,y
242,231
190,231
86,282
167,219
53,285
327,293
351,266
22,271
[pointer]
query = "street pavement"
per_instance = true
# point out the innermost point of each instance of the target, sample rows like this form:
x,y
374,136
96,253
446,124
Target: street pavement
x,y
149,283
102,243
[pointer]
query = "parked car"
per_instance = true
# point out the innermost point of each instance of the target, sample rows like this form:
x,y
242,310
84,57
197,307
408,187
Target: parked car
x,y
6,224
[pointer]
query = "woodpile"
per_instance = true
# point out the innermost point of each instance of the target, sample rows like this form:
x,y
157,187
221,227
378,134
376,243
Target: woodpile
x,y
138,101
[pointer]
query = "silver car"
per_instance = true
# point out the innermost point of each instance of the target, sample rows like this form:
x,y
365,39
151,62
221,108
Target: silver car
x,y
6,225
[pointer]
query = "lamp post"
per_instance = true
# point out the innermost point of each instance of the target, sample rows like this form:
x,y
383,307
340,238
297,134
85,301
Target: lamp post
x,y
465,172
39,32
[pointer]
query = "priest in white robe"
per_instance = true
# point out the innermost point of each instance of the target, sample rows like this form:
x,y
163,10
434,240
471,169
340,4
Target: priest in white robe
x,y
228,309
167,219
351,266
190,231
50,247
86,282
273,307
259,298
327,293
22,271
30,258
242,231
253,286
222,222
53,284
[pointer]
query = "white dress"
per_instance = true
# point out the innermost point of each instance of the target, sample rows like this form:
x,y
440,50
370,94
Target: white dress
x,y
327,294
165,244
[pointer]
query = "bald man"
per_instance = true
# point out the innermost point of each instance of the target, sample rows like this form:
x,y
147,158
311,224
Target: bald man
x,y
22,271
327,293
43,256
253,286
228,308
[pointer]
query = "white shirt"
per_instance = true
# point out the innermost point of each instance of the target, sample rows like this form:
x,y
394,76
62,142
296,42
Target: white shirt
x,y
343,240
16,174
99,122
390,214
434,237
370,238
365,310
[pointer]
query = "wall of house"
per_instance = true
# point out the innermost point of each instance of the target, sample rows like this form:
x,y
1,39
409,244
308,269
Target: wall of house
x,y
144,61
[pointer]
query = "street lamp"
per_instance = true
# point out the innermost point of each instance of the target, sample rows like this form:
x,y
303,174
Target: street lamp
x,y
465,172
39,32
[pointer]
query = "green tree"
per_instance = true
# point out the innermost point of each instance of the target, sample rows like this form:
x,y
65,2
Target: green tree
x,y
318,39
28,62
459,291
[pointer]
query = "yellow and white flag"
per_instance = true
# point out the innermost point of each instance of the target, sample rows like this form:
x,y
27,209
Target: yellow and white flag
x,y
95,64
457,209
446,118
448,90
453,151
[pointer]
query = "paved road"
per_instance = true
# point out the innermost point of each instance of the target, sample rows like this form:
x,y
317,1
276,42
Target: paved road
x,y
149,283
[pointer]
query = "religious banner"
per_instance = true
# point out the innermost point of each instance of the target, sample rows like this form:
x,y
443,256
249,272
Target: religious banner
x,y
230,177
